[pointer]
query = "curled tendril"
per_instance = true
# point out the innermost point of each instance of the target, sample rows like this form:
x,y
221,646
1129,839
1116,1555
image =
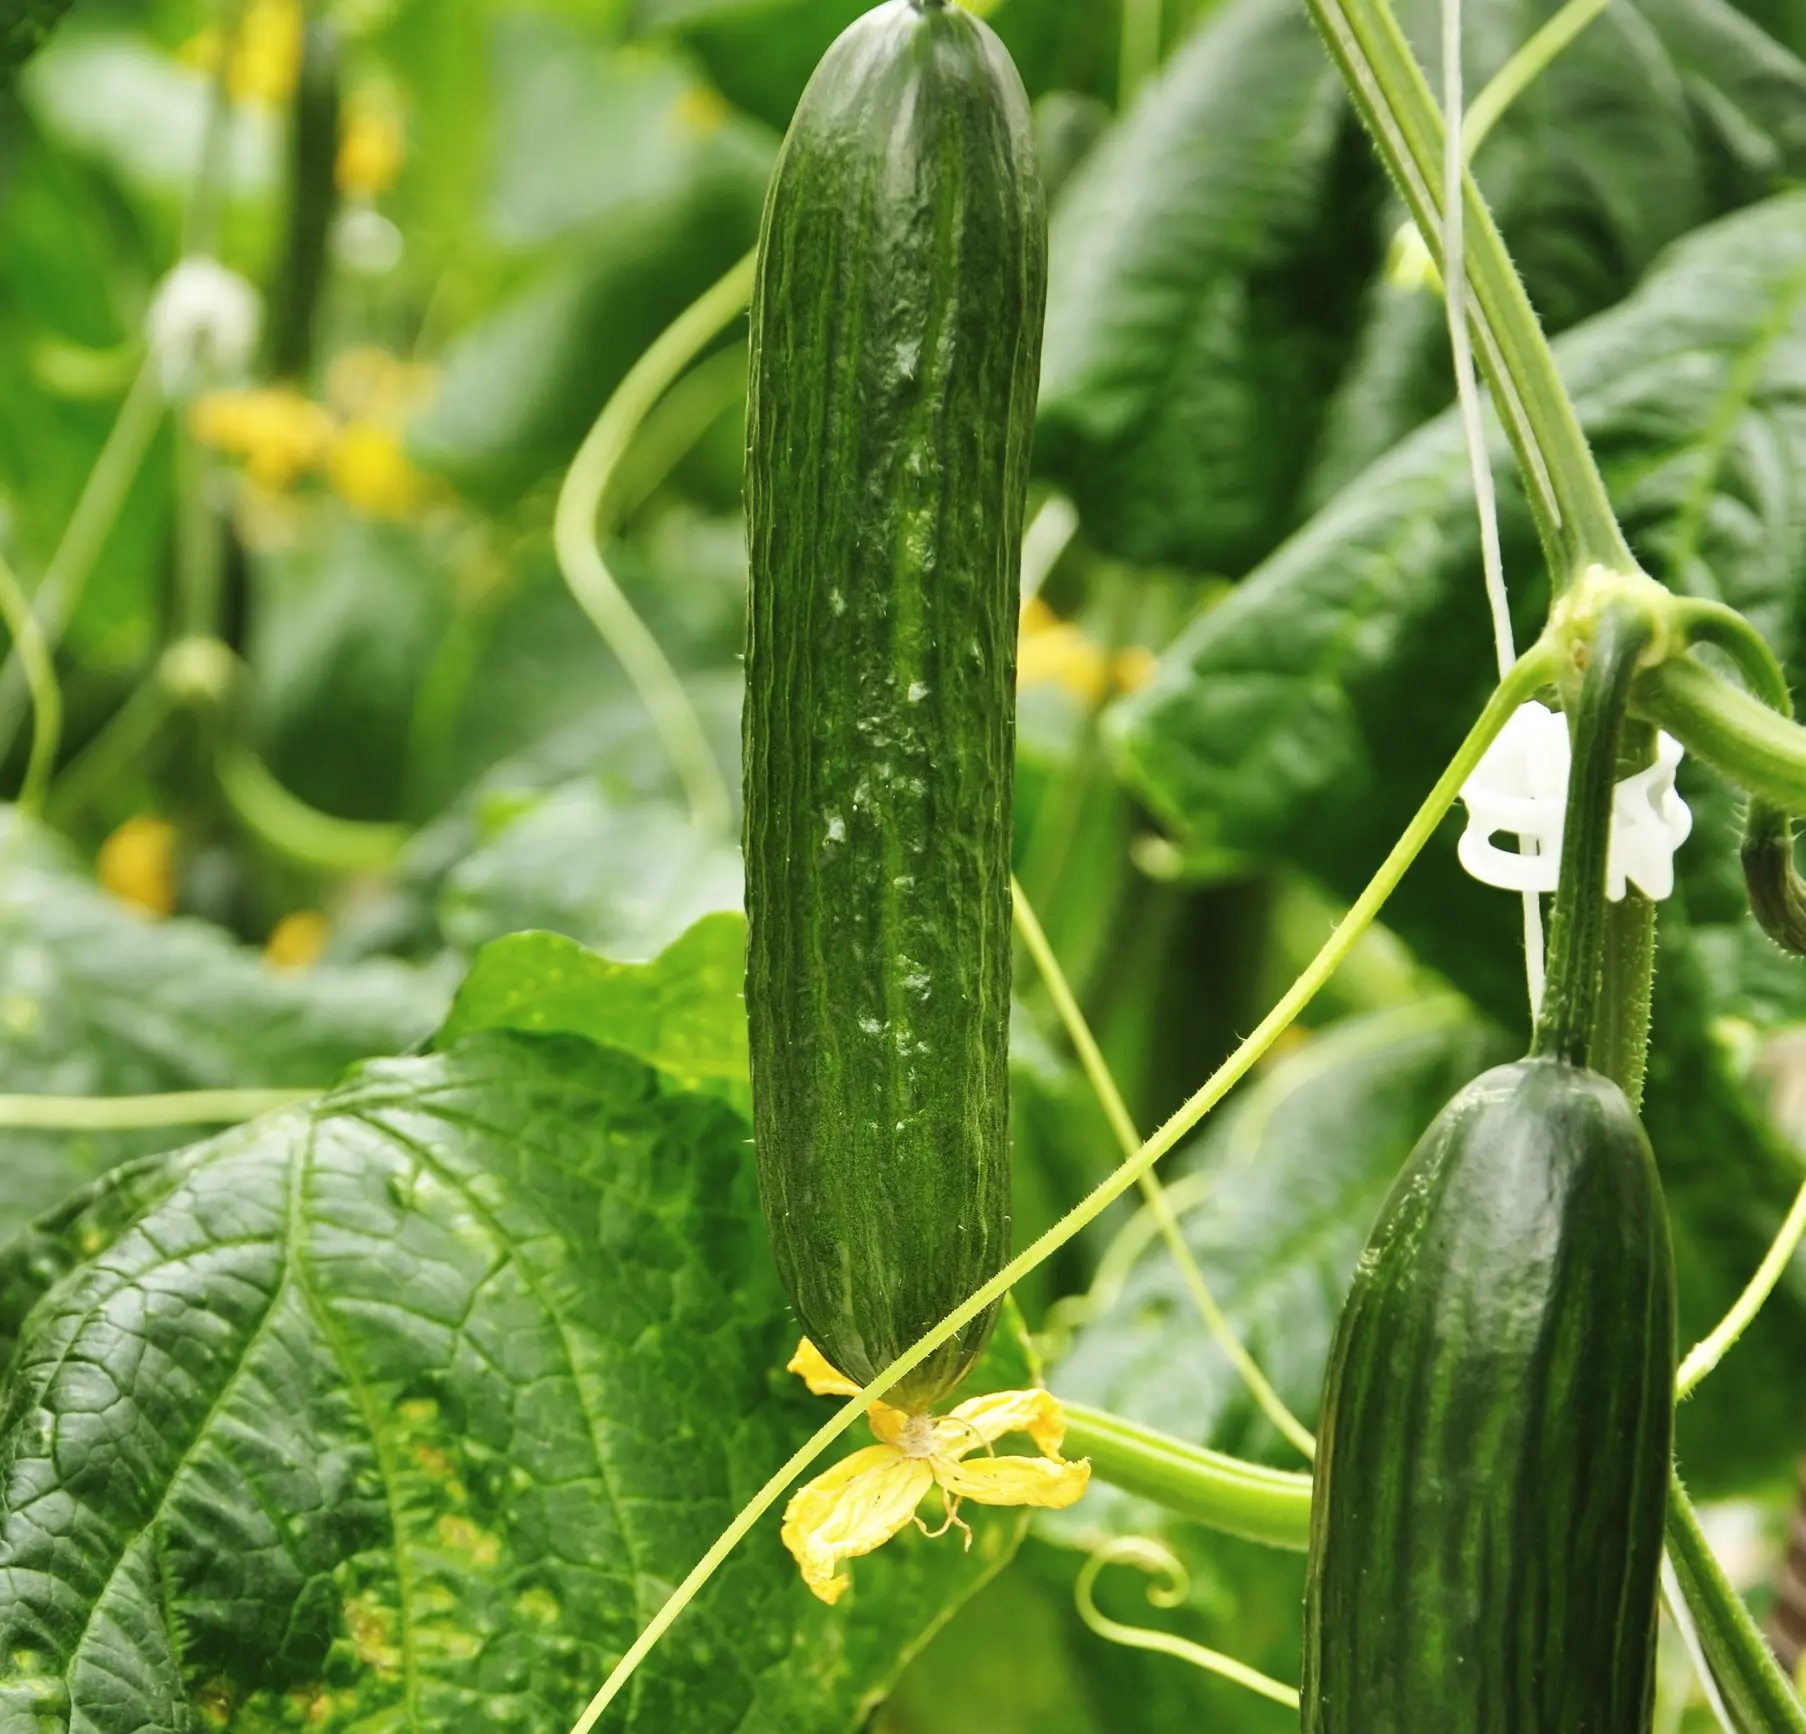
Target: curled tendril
x,y
1168,1587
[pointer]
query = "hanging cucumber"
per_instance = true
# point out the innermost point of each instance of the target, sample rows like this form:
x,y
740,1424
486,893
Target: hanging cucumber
x,y
896,334
1496,1431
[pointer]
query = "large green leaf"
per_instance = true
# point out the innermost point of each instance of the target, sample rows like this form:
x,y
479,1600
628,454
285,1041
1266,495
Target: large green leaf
x,y
344,629
407,1410
632,188
626,877
1204,264
98,1000
1305,717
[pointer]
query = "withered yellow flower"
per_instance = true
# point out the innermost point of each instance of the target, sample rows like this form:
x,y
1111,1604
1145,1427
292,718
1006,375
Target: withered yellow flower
x,y
866,1498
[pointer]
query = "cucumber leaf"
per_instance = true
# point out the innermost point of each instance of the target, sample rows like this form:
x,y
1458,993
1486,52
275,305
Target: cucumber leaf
x,y
97,1000
1203,265
409,1409
682,1012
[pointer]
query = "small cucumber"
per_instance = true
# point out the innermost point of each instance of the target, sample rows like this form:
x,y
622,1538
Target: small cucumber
x,y
1493,1452
896,335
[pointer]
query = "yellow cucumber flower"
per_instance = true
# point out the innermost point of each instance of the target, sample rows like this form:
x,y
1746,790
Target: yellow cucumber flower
x,y
866,1498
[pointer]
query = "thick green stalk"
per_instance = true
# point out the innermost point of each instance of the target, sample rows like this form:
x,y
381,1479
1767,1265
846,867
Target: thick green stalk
x,y
1203,1486
1577,928
1567,495
1754,1689
1620,1044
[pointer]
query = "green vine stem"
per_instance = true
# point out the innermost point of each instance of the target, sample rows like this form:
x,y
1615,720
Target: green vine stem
x,y
1737,735
1532,59
303,833
1777,894
1534,670
40,680
1710,1350
1564,1031
1116,1111
84,539
132,1113
1169,1585
1755,1690
1567,496
1272,1506
579,528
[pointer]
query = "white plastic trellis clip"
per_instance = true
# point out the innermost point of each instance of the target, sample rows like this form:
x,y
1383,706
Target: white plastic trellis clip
x,y
1520,787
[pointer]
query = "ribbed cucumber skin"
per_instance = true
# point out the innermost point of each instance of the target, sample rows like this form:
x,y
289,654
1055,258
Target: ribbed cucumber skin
x,y
1486,1531
896,336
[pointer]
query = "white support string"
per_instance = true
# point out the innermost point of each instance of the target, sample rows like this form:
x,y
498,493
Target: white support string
x,y
1454,276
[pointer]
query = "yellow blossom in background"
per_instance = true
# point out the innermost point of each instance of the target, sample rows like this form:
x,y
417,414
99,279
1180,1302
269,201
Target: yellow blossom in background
x,y
266,57
370,149
369,469
137,864
867,1498
297,940
1054,652
278,434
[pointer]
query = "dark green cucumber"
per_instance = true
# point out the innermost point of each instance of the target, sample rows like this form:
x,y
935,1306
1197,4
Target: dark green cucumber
x,y
1493,1451
896,334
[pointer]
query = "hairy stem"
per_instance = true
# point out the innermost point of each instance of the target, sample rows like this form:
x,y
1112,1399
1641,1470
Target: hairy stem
x,y
1753,1687
1577,929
